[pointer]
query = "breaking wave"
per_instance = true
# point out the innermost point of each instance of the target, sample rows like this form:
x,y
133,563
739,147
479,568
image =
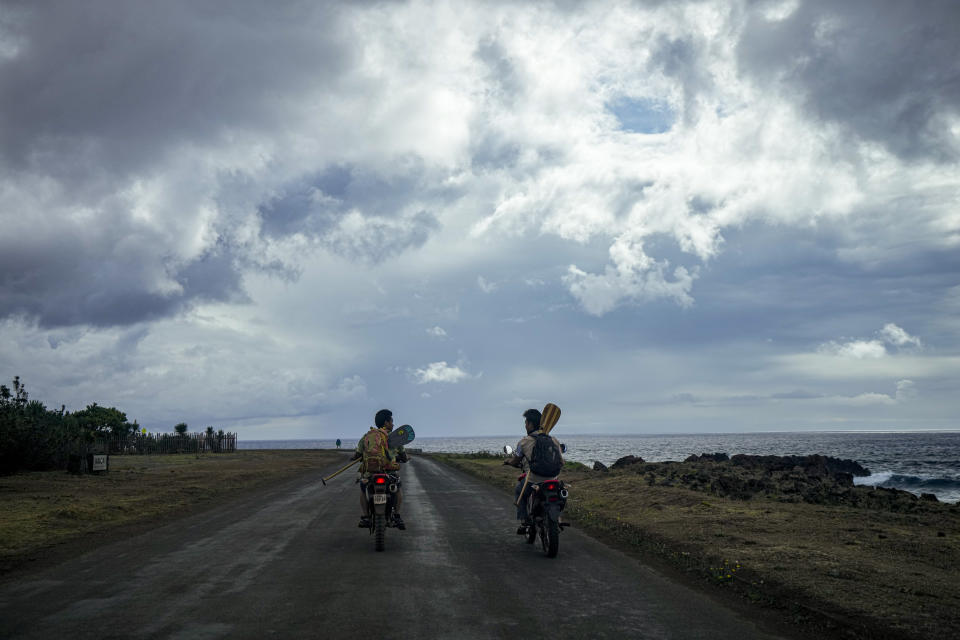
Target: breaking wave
x,y
946,488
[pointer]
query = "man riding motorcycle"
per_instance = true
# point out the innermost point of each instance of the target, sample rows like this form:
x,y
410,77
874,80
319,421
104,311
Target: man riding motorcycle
x,y
379,457
521,458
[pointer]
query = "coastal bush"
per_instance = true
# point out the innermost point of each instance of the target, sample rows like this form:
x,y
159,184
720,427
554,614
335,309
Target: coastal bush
x,y
476,455
34,438
31,437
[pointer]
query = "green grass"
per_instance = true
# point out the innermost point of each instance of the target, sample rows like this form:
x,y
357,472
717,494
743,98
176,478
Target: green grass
x,y
42,509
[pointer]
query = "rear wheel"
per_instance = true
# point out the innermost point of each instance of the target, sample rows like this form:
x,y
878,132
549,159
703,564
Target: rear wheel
x,y
379,531
531,532
552,542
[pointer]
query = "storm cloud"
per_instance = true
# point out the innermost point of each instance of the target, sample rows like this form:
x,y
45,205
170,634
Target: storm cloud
x,y
882,71
283,216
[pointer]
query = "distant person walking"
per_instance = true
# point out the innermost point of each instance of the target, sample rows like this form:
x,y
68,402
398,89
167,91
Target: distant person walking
x,y
338,443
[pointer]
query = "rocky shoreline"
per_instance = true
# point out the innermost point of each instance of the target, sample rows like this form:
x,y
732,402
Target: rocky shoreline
x,y
814,479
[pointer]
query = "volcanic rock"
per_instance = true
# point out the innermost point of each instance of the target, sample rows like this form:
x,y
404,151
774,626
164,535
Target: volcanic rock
x,y
626,461
708,457
814,465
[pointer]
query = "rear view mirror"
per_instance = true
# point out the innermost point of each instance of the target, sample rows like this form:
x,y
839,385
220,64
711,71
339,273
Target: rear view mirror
x,y
507,449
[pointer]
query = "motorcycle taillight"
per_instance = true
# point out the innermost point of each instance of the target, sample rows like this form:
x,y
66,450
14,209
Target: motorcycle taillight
x,y
551,486
380,480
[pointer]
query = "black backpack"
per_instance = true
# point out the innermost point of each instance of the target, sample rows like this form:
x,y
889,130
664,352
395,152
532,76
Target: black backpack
x,y
546,459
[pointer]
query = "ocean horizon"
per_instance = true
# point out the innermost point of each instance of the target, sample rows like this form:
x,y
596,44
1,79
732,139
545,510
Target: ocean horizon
x,y
915,461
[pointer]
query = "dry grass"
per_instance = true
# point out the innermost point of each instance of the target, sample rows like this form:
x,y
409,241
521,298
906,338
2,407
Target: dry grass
x,y
842,569
39,511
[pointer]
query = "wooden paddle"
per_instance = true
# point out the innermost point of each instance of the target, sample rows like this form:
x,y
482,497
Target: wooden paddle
x,y
548,420
549,417
336,473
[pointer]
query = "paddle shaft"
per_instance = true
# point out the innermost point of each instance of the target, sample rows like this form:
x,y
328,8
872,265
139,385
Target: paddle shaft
x,y
336,473
526,481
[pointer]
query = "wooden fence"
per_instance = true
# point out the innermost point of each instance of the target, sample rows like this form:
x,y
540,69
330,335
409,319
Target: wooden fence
x,y
159,443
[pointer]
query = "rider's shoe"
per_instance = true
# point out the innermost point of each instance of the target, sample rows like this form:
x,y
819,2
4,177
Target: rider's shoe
x,y
522,530
364,522
398,521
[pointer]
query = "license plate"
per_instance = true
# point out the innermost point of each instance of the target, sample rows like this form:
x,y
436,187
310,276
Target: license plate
x,y
379,498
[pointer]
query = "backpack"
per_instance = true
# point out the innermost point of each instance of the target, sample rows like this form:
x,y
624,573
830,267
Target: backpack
x,y
546,459
374,448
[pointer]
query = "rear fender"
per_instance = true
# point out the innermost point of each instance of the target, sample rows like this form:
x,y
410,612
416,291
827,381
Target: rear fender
x,y
553,511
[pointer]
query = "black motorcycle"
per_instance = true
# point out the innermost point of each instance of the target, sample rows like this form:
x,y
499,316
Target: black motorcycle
x,y
381,490
545,503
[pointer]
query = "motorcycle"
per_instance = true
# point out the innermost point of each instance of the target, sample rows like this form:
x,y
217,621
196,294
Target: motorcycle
x,y
381,490
545,502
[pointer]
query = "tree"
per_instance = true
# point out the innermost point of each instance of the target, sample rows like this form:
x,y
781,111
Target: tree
x,y
19,396
180,428
101,421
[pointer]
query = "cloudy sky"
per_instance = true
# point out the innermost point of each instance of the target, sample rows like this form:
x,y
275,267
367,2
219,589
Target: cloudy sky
x,y
277,218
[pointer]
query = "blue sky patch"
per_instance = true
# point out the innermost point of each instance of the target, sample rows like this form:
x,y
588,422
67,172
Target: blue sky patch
x,y
643,115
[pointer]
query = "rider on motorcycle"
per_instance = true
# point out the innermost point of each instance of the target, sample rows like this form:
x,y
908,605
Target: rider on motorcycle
x,y
387,460
521,459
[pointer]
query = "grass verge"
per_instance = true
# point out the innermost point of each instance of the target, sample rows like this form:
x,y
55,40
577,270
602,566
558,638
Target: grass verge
x,y
42,512
841,571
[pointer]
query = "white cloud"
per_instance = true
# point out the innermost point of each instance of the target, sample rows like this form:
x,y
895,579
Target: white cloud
x,y
636,276
350,388
867,399
897,336
437,332
871,349
906,390
439,372
777,11
859,349
828,366
485,285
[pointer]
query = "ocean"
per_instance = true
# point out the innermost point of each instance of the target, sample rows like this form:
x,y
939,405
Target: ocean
x,y
919,462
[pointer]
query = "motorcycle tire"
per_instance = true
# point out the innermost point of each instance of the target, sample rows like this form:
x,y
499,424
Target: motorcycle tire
x,y
379,531
531,533
552,530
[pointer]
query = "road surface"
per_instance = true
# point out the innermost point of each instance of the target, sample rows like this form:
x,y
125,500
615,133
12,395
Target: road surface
x,y
290,562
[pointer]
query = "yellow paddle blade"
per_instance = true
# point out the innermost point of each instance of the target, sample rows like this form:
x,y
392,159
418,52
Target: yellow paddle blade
x,y
549,417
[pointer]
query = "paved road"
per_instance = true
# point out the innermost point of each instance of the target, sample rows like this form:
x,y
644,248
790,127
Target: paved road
x,y
291,563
